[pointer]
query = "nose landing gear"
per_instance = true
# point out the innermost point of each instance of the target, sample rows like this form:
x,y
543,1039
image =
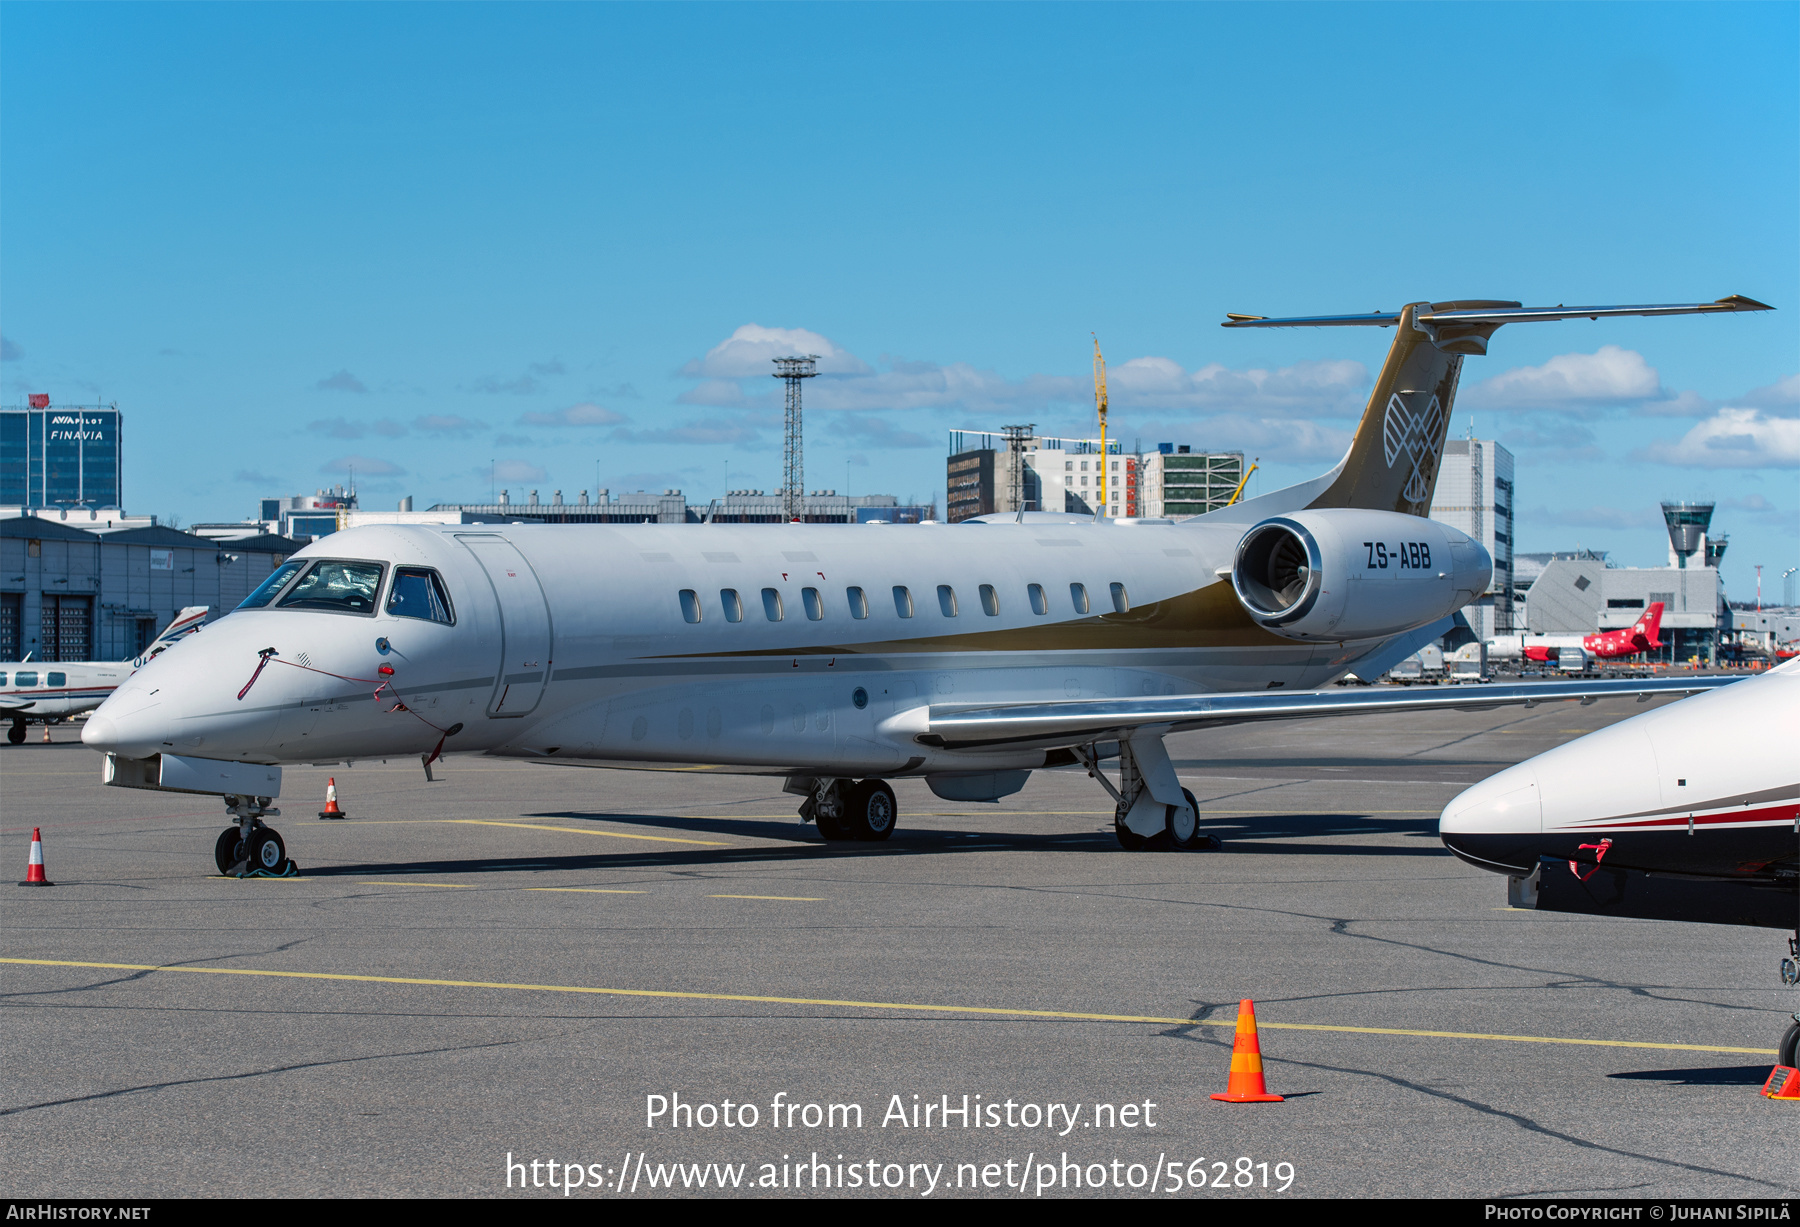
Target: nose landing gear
x,y
251,849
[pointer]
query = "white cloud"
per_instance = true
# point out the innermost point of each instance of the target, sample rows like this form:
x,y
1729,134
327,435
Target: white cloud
x,y
732,374
1733,439
1571,382
575,415
1593,517
448,424
751,350
876,431
340,381
741,431
1328,389
515,470
1780,399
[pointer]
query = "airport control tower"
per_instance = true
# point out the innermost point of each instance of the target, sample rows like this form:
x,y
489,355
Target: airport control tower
x,y
1688,528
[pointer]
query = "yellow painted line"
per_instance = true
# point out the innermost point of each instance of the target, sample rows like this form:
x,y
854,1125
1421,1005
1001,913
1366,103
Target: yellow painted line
x,y
586,890
778,898
989,1011
442,885
533,826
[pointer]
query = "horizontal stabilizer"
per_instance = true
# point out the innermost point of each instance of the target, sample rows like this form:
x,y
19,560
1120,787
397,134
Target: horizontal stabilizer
x,y
1507,313
1078,721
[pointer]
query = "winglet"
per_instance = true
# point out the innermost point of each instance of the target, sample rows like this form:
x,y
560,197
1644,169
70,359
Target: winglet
x,y
1737,302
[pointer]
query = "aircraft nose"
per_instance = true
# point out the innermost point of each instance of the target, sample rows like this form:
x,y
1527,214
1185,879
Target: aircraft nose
x,y
129,723
1498,824
100,733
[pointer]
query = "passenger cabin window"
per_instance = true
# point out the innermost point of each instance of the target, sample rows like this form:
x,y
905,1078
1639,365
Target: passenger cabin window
x,y
990,601
772,604
56,679
815,608
733,607
947,600
24,677
336,587
859,602
272,586
418,592
1078,595
1121,602
690,605
902,601
1039,605
2,679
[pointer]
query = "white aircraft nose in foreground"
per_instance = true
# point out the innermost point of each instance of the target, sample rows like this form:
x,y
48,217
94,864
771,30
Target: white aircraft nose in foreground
x,y
1688,812
839,657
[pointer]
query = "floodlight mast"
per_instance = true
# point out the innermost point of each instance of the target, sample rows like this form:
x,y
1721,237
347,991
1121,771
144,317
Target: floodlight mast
x,y
793,461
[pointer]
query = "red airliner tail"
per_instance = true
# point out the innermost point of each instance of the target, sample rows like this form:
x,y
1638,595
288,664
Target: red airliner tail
x,y
1648,625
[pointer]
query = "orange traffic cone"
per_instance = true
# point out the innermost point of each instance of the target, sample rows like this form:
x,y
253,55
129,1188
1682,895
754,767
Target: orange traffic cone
x,y
1246,1085
1783,1083
331,809
34,872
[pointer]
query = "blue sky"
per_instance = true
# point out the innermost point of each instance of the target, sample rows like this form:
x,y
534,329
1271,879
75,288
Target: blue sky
x,y
564,239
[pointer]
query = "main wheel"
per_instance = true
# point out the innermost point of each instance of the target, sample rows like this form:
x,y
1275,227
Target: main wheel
x,y
225,852
16,734
1790,1047
1186,833
870,811
266,850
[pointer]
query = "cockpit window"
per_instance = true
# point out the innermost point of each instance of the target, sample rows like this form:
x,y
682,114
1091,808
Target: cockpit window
x,y
278,578
419,593
336,587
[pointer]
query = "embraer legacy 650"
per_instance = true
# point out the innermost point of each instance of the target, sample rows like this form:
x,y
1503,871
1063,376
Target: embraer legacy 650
x,y
843,657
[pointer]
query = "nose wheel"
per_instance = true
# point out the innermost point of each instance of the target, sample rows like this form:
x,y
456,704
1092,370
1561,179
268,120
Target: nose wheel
x,y
251,848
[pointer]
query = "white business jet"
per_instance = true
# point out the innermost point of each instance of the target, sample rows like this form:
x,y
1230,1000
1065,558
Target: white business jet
x,y
47,693
1689,812
841,657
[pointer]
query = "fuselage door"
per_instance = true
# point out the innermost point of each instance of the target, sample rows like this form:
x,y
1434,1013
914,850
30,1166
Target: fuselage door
x,y
524,626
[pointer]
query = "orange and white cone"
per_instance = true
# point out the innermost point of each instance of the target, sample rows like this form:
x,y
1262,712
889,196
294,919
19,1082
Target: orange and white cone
x,y
331,809
1246,1084
34,872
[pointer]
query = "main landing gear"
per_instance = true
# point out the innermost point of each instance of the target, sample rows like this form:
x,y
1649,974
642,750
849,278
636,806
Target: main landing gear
x,y
1147,816
844,809
250,848
16,734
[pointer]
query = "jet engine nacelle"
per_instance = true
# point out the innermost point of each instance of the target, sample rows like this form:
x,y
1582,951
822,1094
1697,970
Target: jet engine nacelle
x,y
1339,573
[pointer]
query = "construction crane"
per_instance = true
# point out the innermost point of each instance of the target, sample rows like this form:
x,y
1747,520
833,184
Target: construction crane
x,y
1100,404
1238,493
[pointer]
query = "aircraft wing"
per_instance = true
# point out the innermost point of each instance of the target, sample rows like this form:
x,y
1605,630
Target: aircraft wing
x,y
1081,721
13,704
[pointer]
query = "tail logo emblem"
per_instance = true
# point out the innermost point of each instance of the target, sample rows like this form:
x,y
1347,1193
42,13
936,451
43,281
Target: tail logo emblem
x,y
1418,437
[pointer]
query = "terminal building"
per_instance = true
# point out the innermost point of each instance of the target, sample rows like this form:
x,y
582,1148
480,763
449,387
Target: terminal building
x,y
990,473
1580,592
309,517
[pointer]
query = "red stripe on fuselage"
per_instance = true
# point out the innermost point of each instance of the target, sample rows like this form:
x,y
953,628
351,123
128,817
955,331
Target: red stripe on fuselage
x,y
1768,815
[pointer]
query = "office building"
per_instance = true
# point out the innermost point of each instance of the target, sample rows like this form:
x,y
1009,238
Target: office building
x,y
1474,495
64,457
986,475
